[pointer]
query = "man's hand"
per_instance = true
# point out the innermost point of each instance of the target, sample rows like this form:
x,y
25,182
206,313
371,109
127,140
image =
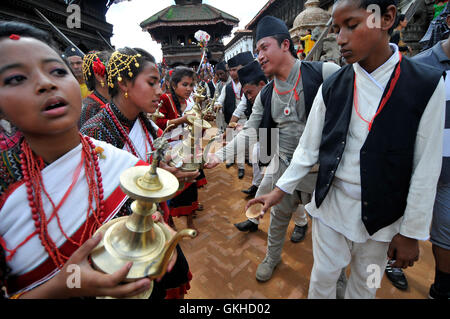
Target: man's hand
x,y
268,200
212,161
404,250
217,107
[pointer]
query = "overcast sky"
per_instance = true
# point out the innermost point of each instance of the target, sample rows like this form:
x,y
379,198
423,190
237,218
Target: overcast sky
x,y
126,16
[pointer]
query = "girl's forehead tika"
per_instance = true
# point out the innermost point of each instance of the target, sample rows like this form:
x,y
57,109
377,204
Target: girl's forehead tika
x,y
14,37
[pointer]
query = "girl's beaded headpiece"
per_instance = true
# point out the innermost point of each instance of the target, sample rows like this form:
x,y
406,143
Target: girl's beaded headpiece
x,y
93,60
118,63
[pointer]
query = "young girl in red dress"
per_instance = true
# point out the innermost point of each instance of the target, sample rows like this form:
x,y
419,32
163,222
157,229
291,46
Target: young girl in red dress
x,y
174,105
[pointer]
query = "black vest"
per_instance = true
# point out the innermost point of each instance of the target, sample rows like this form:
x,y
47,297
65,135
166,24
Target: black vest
x,y
212,89
249,109
386,158
312,79
229,103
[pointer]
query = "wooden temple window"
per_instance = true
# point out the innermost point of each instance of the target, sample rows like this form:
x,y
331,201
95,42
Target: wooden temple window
x,y
181,40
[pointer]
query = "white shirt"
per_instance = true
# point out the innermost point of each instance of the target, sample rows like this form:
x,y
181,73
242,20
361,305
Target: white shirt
x,y
239,112
341,208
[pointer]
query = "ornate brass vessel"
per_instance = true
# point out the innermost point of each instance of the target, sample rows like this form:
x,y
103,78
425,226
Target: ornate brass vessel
x,y
189,155
157,114
137,238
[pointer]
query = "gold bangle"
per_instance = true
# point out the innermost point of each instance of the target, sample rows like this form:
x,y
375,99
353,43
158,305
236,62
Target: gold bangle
x,y
17,296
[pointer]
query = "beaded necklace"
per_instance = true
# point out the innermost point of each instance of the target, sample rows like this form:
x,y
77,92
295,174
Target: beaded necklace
x,y
125,135
31,170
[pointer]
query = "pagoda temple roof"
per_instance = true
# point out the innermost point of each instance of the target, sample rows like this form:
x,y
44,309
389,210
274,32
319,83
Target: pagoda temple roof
x,y
192,14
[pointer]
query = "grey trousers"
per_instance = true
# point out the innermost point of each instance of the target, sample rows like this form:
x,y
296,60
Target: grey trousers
x,y
280,214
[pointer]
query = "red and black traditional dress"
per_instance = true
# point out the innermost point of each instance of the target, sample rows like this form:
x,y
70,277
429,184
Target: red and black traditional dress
x,y
92,104
136,137
186,201
47,211
9,139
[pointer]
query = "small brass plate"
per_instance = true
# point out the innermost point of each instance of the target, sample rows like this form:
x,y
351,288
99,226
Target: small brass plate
x,y
254,211
129,186
198,122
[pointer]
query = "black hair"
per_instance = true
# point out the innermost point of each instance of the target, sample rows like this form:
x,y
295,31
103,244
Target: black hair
x,y
257,80
177,75
383,5
26,30
90,79
142,60
280,38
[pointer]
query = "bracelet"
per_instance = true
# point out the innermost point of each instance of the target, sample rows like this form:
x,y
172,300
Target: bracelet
x,y
17,296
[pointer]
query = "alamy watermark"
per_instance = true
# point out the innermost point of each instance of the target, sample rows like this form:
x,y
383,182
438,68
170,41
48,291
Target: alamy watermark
x,y
74,279
374,277
73,21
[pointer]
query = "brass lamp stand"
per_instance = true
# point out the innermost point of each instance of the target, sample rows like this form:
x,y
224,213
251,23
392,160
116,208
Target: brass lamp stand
x,y
137,238
189,156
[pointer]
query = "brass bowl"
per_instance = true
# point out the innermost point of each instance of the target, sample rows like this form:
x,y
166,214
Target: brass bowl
x,y
254,211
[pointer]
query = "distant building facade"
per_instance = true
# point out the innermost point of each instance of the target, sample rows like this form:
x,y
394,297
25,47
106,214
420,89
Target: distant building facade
x,y
241,42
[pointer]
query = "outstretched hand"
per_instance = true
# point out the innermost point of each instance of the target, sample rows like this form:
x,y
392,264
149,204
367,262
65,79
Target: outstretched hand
x,y
212,161
267,200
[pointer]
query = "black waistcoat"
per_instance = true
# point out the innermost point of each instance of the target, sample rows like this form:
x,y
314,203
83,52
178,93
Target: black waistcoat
x,y
249,109
229,103
212,89
311,78
386,158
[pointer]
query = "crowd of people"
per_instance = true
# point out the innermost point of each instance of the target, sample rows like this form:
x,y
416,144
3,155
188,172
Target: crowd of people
x,y
362,148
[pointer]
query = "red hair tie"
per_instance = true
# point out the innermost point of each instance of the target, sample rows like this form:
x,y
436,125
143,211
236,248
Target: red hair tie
x,y
98,67
14,37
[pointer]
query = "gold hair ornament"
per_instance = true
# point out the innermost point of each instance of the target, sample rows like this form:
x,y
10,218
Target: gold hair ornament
x,y
118,63
88,60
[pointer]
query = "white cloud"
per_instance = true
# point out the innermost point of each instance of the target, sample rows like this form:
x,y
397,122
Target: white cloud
x,y
126,16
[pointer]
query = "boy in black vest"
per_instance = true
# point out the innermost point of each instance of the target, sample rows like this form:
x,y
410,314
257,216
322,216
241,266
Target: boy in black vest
x,y
252,79
281,106
376,130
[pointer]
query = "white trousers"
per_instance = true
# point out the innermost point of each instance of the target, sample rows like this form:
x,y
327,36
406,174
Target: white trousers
x,y
332,252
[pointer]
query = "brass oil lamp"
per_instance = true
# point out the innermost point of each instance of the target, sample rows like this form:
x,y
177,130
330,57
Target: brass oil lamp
x,y
189,156
137,238
157,114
